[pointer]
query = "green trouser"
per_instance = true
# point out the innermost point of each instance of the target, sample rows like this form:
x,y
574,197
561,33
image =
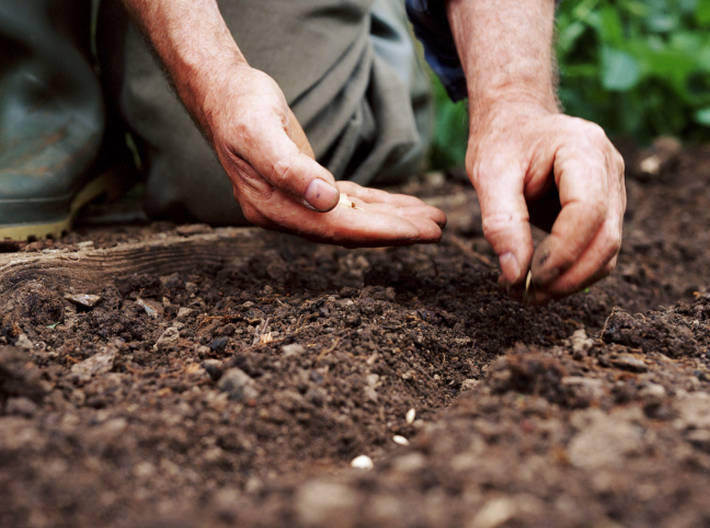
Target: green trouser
x,y
348,70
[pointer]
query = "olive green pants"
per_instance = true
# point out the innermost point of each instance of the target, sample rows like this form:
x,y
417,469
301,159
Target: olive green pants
x,y
348,70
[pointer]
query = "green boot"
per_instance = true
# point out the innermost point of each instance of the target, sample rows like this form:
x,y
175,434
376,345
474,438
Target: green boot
x,y
51,117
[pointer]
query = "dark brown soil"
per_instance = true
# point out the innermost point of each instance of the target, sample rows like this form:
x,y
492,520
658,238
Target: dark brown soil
x,y
238,394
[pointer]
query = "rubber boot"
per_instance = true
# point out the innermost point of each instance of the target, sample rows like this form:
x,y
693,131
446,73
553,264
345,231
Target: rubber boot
x,y
51,116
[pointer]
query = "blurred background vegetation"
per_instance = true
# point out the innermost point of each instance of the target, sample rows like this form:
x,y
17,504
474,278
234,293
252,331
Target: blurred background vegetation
x,y
639,68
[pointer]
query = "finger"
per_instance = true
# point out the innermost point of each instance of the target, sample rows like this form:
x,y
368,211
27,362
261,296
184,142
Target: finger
x,y
544,296
583,187
424,217
596,261
280,161
505,220
396,202
372,195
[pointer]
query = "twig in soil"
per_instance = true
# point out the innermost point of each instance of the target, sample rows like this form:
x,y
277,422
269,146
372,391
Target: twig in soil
x,y
328,350
466,250
261,333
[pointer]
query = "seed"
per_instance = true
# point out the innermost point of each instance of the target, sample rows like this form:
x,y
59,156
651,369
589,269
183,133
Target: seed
x,y
411,415
400,440
362,462
345,201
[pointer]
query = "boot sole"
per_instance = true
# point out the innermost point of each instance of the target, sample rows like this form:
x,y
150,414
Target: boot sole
x,y
108,183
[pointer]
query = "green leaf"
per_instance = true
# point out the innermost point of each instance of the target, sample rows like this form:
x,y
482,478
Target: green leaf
x,y
620,71
702,12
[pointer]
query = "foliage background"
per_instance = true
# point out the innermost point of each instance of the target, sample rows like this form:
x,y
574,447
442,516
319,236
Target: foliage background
x,y
638,68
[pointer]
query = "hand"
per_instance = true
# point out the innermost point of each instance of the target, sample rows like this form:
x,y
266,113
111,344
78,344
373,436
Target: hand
x,y
517,154
280,186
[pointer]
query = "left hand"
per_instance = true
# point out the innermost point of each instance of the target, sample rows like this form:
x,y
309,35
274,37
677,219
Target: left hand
x,y
518,152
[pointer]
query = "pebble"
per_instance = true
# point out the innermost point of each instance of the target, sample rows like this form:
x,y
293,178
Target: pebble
x,y
218,344
293,349
411,416
238,385
85,300
629,362
97,364
152,308
169,337
580,342
21,406
362,462
321,503
604,443
400,440
213,367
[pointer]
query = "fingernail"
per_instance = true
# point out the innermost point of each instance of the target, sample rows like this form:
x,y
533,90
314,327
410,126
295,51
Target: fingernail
x,y
321,195
510,267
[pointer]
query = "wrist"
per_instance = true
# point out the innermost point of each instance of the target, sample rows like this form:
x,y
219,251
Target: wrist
x,y
508,108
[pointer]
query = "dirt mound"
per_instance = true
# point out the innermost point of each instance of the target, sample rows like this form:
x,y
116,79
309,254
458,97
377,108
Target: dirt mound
x,y
183,376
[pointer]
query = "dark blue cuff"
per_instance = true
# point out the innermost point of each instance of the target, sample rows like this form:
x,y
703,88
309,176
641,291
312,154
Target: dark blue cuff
x,y
431,26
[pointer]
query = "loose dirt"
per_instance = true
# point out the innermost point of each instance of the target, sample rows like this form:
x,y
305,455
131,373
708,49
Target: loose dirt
x,y
233,388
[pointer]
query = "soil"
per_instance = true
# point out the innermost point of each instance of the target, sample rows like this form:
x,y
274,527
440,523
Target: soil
x,y
237,391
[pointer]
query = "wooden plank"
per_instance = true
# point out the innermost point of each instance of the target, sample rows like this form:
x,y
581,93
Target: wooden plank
x,y
90,269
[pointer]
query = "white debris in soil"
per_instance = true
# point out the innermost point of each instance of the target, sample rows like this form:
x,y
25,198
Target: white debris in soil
x,y
411,416
86,300
362,462
170,336
400,440
97,364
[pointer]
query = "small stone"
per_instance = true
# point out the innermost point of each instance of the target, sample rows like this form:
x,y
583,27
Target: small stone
x,y
604,443
699,438
99,363
469,384
411,416
494,513
362,462
580,342
152,308
652,390
400,440
84,300
21,406
293,349
321,503
213,367
238,385
24,342
219,344
693,410
629,362
184,312
409,463
169,337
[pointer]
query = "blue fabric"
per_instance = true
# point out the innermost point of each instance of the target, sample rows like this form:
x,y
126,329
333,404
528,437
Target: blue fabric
x,y
432,27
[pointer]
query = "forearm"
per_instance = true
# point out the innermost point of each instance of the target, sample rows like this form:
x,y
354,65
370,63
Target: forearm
x,y
195,45
506,51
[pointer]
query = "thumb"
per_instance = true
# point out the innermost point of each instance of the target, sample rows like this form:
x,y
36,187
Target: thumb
x,y
284,157
505,222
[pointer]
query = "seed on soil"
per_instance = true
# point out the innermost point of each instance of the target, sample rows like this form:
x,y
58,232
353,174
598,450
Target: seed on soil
x,y
362,462
400,440
411,416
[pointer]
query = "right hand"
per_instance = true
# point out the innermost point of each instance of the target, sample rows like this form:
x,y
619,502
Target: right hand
x,y
280,186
